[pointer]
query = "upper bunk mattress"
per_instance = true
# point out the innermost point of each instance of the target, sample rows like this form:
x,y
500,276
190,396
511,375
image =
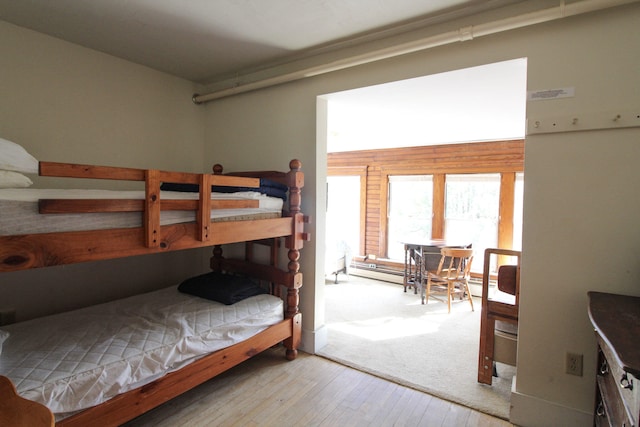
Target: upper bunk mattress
x,y
75,360
19,210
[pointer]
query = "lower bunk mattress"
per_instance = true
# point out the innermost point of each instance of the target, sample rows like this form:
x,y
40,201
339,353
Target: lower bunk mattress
x,y
72,361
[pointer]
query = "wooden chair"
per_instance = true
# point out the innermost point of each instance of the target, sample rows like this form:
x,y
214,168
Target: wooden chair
x,y
451,277
499,318
16,411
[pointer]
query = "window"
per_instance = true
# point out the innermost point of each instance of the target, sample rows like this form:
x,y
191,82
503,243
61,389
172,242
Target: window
x,y
472,204
343,214
410,212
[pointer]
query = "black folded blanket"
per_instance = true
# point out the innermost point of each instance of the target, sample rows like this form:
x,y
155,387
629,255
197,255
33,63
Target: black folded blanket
x,y
267,187
224,288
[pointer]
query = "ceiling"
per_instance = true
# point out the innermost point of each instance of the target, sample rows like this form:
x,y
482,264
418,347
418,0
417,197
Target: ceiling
x,y
206,41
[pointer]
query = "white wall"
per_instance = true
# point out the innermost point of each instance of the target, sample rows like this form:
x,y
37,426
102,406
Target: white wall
x,y
580,219
67,103
580,201
63,102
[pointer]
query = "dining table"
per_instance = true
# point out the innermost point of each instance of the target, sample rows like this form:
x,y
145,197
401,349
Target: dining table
x,y
422,256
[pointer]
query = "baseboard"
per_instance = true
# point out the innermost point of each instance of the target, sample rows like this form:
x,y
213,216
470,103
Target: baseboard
x,y
312,341
377,275
530,411
474,286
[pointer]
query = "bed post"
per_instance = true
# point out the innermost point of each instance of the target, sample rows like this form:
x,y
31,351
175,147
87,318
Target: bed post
x,y
215,262
294,242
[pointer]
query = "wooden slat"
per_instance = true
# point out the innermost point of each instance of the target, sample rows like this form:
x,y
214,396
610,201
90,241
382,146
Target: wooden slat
x,y
68,170
49,249
152,209
506,209
235,181
438,205
383,214
71,170
203,216
65,206
262,272
179,177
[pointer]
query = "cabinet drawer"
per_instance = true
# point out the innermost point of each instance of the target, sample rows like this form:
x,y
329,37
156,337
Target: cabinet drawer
x,y
610,410
616,320
620,403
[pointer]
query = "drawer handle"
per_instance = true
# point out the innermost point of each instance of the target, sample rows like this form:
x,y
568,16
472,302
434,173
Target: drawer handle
x,y
625,382
600,410
604,368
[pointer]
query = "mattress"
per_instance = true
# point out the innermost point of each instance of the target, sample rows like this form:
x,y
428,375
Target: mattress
x,y
19,208
75,360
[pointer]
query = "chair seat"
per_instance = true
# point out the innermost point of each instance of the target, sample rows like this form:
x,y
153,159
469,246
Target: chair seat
x,y
503,297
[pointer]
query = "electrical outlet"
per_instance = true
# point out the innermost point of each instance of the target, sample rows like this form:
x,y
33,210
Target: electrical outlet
x,y
372,266
574,364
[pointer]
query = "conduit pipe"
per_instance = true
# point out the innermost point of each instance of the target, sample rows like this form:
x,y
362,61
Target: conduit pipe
x,y
463,34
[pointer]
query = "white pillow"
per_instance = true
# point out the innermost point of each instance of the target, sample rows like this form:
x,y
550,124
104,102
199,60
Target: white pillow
x,y
15,158
9,179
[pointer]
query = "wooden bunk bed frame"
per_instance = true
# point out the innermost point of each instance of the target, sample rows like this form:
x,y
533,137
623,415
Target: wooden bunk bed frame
x,y
49,249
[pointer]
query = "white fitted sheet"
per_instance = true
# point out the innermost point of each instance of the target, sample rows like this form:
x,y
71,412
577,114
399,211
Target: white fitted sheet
x,y
72,361
19,210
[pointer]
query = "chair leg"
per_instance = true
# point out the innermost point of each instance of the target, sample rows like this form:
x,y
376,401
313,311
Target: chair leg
x,y
466,289
425,301
449,289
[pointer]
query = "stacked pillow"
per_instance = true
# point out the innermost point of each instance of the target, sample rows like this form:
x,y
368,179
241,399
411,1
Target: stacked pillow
x,y
14,162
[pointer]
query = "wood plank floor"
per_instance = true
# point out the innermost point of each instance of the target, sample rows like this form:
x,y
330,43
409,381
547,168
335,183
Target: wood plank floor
x,y
268,390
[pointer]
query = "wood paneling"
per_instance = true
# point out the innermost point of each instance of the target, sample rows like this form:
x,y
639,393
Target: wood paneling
x,y
505,157
507,198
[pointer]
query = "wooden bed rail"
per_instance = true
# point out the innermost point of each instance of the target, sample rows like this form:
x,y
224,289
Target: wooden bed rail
x,y
46,249
153,179
73,170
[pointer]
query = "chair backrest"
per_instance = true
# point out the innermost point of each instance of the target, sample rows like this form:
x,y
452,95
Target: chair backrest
x,y
508,272
455,263
508,279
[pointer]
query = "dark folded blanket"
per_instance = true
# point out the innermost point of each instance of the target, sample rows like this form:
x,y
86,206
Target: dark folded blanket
x,y
224,288
267,187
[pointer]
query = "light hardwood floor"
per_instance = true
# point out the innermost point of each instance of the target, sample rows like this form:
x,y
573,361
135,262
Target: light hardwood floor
x,y
268,390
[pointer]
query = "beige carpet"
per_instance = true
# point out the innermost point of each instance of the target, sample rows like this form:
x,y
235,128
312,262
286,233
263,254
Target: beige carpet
x,y
377,328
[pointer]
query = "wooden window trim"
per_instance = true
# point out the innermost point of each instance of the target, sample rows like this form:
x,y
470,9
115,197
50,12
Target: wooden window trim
x,y
501,157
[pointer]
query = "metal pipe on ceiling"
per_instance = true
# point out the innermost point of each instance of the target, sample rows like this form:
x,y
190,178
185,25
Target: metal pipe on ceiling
x,y
463,34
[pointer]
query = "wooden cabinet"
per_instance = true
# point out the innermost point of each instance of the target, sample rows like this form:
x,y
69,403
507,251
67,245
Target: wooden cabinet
x,y
616,319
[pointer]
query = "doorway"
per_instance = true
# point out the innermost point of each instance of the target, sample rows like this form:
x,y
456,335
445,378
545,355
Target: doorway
x,y
484,103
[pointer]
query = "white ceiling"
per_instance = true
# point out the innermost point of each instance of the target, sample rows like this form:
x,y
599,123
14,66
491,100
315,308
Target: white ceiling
x,y
480,103
209,40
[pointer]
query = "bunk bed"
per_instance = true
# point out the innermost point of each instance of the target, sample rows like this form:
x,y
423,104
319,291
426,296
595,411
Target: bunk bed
x,y
213,219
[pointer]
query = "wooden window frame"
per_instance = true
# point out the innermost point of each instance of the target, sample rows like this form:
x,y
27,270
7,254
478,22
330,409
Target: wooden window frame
x,y
375,166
